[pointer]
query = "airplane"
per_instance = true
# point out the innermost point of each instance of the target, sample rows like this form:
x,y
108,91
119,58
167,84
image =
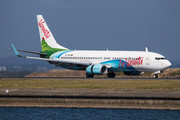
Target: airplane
x,y
95,62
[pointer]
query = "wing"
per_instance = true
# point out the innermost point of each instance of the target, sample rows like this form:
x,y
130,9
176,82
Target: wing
x,y
57,62
30,52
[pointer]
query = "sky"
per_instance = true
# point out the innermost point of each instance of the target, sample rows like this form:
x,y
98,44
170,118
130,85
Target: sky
x,y
93,25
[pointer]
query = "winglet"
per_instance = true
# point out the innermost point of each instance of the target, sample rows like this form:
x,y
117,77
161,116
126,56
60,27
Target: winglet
x,y
16,52
146,49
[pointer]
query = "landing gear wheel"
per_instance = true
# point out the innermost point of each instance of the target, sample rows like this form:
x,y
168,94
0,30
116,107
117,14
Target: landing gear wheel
x,y
111,75
89,75
155,76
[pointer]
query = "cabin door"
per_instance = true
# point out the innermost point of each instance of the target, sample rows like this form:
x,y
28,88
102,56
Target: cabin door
x,y
148,60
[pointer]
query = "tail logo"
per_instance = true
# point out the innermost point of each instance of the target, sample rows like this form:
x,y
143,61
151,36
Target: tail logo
x,y
45,31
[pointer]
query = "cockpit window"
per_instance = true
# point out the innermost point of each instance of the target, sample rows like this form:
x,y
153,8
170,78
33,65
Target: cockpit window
x,y
158,58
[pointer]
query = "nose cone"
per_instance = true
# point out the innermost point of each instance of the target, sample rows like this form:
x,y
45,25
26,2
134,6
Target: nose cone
x,y
168,64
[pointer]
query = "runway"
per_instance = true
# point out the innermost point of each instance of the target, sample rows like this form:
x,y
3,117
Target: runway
x,y
91,98
78,92
84,78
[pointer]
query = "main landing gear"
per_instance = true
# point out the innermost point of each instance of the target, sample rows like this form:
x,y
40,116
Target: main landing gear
x,y
89,75
111,75
155,76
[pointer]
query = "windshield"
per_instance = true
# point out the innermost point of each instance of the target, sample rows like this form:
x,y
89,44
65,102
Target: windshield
x,y
159,58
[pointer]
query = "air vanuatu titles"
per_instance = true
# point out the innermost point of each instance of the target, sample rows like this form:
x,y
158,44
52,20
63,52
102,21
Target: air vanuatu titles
x,y
44,30
96,62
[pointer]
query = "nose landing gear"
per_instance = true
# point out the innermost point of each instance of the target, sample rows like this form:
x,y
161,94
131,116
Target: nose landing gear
x,y
155,76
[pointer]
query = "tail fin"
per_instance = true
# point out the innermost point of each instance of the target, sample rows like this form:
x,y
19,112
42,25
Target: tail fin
x,y
48,43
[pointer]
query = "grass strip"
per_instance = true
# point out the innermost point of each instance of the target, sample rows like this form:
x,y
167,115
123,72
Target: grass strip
x,y
91,84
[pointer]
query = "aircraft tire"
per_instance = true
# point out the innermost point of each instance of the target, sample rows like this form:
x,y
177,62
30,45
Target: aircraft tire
x,y
89,75
155,76
111,75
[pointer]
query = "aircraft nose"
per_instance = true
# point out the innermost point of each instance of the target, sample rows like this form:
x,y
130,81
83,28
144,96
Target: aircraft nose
x,y
168,64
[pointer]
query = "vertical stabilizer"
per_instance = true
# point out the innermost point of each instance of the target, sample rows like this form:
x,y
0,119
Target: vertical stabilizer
x,y
46,36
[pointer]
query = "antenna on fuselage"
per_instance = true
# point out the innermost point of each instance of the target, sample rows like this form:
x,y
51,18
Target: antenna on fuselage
x,y
146,49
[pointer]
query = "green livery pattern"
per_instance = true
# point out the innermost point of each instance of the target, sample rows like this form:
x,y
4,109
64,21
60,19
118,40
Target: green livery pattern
x,y
49,50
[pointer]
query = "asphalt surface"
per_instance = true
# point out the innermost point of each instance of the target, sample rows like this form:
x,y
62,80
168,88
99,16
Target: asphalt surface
x,y
84,78
92,93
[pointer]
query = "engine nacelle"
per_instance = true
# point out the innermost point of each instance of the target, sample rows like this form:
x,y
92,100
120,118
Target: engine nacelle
x,y
133,73
97,69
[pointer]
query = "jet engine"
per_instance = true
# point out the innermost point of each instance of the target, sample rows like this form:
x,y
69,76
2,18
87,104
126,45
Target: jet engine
x,y
97,69
133,73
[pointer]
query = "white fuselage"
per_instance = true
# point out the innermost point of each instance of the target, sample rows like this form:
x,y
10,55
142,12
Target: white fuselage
x,y
138,60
